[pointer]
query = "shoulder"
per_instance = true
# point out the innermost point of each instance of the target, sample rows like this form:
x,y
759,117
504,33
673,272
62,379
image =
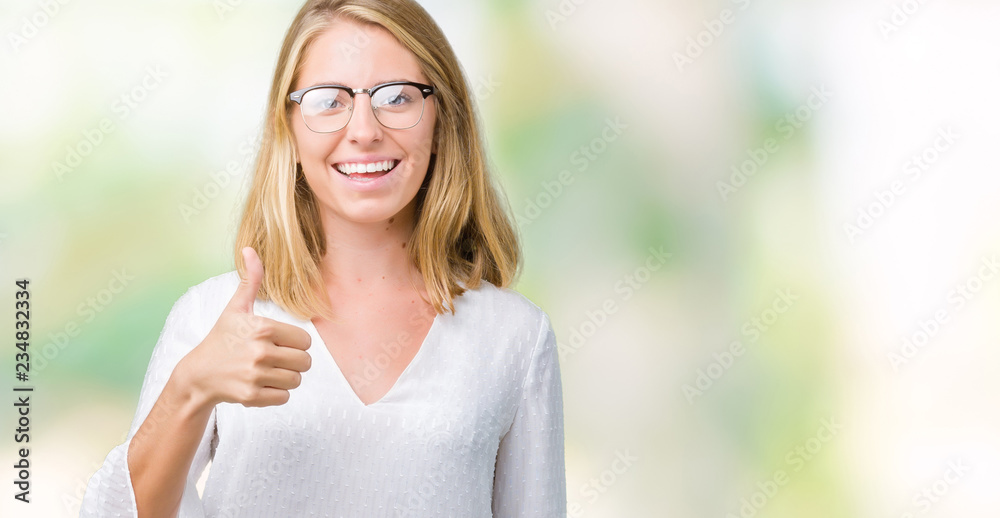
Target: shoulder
x,y
223,285
506,307
210,296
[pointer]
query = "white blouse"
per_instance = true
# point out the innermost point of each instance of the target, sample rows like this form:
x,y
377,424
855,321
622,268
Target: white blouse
x,y
473,427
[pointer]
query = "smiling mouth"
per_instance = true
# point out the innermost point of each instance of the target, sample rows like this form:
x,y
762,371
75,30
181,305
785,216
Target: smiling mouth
x,y
366,170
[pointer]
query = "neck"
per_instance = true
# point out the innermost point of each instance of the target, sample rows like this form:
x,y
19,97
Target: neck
x,y
369,258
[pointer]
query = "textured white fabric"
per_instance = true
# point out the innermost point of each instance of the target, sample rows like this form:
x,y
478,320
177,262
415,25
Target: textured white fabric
x,y
473,427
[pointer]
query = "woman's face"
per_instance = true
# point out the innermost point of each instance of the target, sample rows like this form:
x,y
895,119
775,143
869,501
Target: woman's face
x,y
358,57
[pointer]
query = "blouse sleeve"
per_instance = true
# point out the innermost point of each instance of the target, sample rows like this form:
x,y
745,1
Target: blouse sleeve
x,y
109,492
530,476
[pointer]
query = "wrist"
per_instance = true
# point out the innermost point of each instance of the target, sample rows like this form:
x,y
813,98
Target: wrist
x,y
186,395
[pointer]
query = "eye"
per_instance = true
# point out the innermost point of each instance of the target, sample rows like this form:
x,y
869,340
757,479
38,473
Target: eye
x,y
329,103
325,100
397,98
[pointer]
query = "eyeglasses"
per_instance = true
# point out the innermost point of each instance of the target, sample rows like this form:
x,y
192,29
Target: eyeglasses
x,y
328,108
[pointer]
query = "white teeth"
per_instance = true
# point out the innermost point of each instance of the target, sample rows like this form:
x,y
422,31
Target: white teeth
x,y
372,167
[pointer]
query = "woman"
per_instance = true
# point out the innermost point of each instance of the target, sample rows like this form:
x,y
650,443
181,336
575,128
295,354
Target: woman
x,y
366,358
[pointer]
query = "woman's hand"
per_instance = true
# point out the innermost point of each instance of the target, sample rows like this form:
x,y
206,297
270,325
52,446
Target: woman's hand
x,y
245,358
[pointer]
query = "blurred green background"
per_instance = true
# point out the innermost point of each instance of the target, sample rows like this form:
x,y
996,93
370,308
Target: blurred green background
x,y
765,232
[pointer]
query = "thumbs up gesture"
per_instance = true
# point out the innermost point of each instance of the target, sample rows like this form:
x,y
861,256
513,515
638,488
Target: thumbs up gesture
x,y
246,358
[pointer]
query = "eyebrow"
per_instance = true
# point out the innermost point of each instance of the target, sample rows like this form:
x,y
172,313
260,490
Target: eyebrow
x,y
339,83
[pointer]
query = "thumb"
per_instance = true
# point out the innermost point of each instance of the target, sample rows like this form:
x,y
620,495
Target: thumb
x,y
246,293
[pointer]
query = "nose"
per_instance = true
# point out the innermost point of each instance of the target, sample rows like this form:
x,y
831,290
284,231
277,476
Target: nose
x,y
363,128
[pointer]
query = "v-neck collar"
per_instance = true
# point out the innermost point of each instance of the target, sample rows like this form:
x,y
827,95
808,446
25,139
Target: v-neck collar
x,y
435,324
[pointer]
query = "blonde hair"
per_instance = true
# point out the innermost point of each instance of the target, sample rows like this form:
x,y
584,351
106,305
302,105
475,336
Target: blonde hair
x,y
462,231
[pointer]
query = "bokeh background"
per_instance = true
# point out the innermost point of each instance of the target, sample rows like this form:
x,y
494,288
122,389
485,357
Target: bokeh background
x,y
765,232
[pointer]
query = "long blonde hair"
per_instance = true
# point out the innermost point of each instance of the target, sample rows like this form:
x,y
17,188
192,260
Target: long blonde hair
x,y
463,233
